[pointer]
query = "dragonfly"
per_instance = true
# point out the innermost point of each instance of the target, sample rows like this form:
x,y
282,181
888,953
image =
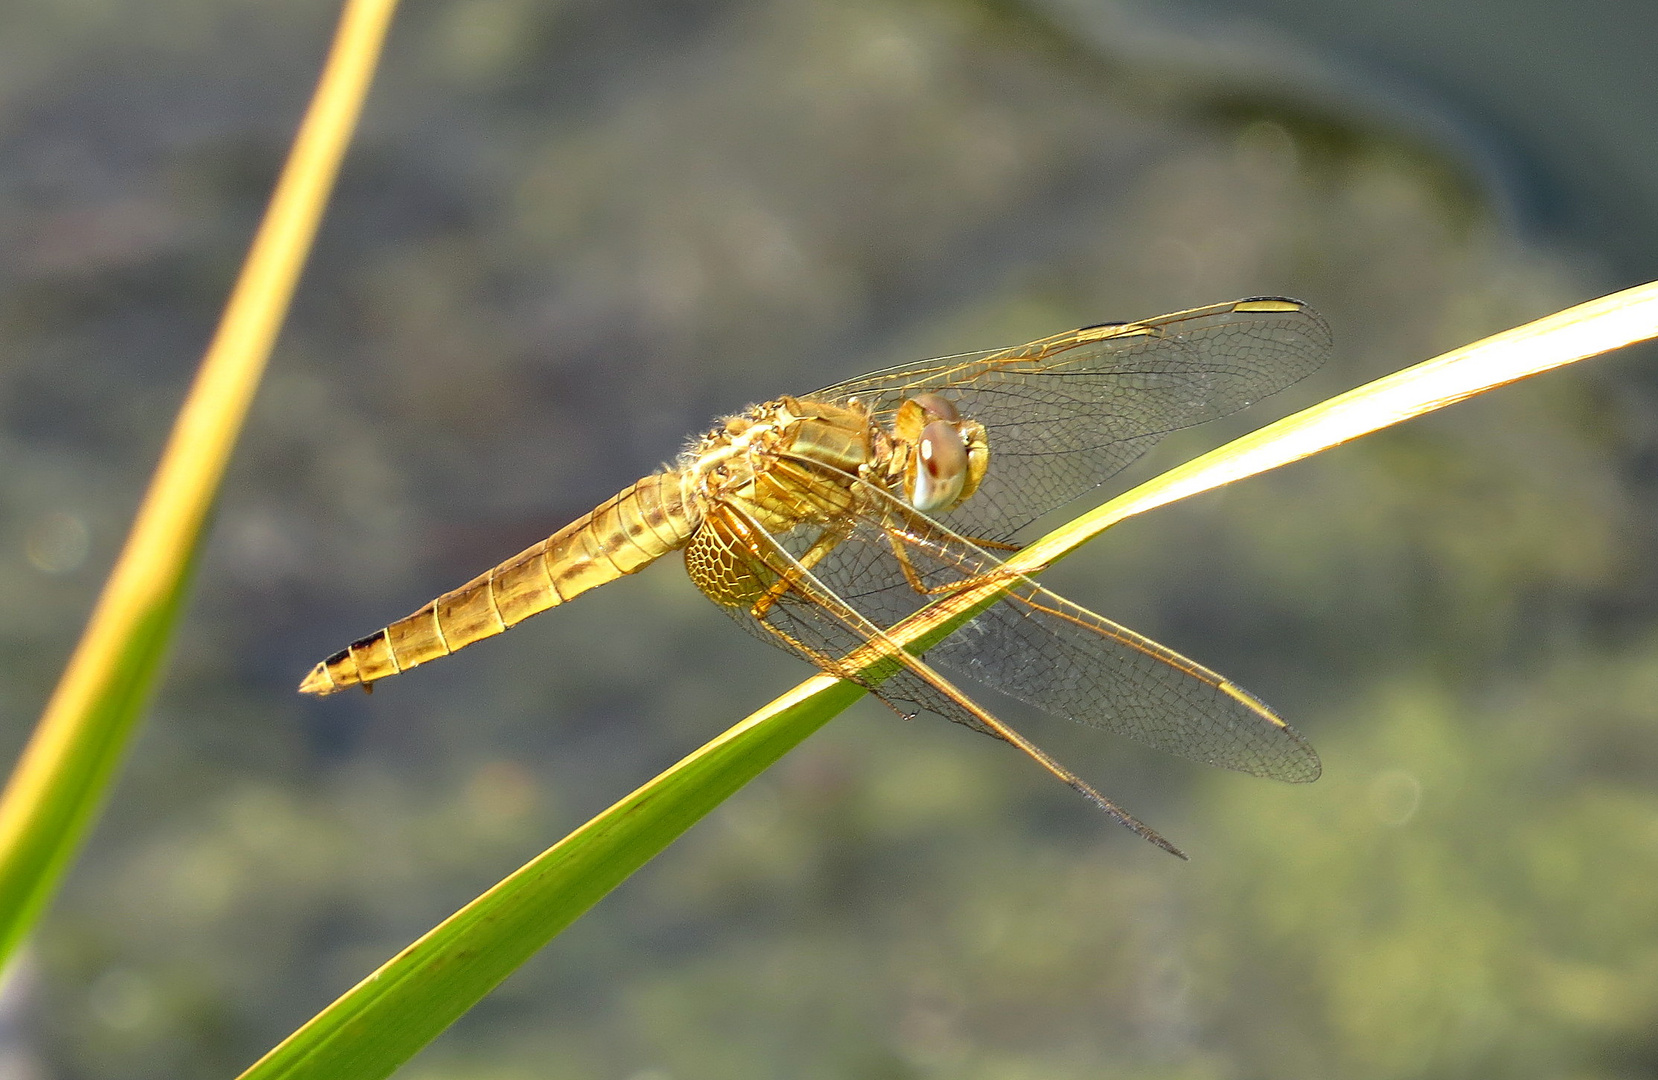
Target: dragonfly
x,y
821,522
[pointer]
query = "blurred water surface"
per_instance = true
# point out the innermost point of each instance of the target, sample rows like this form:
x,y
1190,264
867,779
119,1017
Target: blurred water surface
x,y
572,233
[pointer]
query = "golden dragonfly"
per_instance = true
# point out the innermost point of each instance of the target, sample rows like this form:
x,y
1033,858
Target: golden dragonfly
x,y
822,521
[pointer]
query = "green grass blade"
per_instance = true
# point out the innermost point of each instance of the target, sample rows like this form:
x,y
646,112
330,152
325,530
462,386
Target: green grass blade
x,y
59,782
389,1016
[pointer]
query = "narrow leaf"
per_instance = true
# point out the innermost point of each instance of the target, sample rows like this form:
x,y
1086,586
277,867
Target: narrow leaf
x,y
69,762
390,1015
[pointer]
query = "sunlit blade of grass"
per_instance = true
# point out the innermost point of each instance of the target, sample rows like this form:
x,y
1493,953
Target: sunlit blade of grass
x,y
390,1015
70,760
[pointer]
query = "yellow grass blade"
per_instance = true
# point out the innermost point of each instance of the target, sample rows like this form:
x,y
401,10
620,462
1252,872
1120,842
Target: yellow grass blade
x,y
59,782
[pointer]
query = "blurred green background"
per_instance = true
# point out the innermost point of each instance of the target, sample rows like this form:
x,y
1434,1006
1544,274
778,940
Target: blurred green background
x,y
569,235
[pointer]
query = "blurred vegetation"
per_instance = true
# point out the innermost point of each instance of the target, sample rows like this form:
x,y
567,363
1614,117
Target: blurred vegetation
x,y
573,232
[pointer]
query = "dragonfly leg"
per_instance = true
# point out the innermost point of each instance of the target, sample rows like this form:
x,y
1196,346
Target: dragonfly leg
x,y
826,542
913,576
829,664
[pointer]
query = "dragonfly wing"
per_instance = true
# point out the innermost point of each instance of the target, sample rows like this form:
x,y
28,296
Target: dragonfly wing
x,y
1058,656
754,577
1066,413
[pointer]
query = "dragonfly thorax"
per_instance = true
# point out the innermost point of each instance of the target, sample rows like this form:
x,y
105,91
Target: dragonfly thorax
x,y
787,458
800,457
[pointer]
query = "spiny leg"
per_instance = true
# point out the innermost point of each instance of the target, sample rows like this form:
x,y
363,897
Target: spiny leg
x,y
913,576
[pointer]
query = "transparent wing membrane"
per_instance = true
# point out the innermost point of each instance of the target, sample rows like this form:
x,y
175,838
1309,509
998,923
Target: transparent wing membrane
x,y
796,612
1066,413
1040,648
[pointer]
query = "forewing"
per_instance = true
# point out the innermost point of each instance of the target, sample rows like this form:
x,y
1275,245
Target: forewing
x,y
1065,413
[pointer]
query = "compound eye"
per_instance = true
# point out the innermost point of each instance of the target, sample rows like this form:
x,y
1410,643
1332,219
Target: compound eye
x,y
937,406
939,469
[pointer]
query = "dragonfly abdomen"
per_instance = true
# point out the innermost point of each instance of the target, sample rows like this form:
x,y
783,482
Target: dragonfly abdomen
x,y
621,536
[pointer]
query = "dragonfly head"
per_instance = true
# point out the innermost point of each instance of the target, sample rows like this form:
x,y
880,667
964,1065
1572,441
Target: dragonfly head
x,y
943,456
